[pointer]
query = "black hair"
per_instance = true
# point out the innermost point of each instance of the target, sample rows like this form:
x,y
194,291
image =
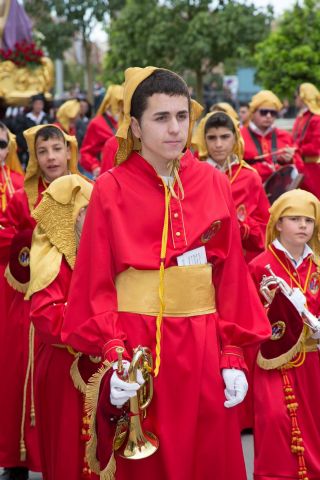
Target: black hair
x,y
219,119
49,132
244,104
160,81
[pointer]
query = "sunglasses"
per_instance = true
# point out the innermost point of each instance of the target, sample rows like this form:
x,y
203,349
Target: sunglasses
x,y
264,112
3,144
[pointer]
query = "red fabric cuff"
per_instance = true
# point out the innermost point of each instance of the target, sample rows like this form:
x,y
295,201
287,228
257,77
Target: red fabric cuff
x,y
232,357
95,165
109,350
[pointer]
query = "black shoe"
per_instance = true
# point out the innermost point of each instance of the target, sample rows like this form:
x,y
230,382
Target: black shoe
x,y
15,473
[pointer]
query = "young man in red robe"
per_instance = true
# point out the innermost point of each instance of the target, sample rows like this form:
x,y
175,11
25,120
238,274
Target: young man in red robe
x,y
287,377
100,129
306,134
59,405
161,254
52,154
218,141
266,147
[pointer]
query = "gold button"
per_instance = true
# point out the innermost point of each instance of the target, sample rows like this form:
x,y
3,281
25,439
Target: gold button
x,y
176,215
295,274
178,234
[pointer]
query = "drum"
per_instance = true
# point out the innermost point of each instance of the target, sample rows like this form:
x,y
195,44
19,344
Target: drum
x,y
285,179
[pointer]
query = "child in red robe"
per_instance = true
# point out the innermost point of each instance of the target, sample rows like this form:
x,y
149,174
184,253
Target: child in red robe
x,y
218,141
287,377
161,255
59,405
101,129
52,154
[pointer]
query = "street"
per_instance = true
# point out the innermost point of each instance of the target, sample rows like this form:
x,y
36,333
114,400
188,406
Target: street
x,y
247,443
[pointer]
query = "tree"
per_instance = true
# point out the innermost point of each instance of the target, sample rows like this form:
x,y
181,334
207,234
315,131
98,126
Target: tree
x,y
291,55
57,33
185,35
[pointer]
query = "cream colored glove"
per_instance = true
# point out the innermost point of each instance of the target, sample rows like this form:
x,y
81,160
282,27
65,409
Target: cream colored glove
x,y
236,386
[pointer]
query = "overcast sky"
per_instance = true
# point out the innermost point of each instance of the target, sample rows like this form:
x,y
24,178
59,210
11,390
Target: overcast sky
x,y
278,5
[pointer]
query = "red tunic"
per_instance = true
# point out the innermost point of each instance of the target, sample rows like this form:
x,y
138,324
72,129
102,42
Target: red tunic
x,y
98,132
59,405
109,152
266,166
273,457
123,229
14,349
306,133
252,207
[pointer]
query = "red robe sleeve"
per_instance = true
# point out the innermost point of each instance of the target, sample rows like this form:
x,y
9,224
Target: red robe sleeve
x,y
109,152
309,146
48,306
91,324
11,220
252,207
98,132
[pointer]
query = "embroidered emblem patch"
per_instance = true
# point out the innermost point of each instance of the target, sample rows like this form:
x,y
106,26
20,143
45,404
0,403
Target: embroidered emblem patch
x,y
241,213
211,231
314,283
278,329
24,257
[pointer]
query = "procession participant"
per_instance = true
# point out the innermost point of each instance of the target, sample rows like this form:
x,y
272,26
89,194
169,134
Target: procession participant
x,y
52,154
67,116
287,377
244,113
100,129
59,406
306,133
160,208
266,147
219,142
35,116
11,170
11,179
226,108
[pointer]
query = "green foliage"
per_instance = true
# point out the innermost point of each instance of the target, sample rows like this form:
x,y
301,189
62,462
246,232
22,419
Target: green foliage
x,y
183,35
291,54
56,34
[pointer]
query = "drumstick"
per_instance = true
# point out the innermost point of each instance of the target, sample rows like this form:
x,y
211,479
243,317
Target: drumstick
x,y
276,152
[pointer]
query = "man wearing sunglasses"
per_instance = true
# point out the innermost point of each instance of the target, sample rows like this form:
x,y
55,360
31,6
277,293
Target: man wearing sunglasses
x,y
267,148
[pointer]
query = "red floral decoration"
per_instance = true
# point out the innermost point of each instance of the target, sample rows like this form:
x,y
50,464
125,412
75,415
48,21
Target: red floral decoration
x,y
23,54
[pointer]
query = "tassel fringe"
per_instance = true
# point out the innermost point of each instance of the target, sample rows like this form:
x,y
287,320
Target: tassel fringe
x,y
19,287
91,402
109,472
273,363
77,380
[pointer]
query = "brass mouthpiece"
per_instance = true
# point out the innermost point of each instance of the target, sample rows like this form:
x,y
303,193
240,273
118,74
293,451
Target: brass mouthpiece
x,y
120,351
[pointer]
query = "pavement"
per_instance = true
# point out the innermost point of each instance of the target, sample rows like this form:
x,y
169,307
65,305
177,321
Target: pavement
x,y
247,444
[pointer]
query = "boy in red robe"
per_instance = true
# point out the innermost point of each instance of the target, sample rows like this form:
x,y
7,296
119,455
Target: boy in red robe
x,y
52,154
287,377
101,129
161,253
59,405
266,147
306,134
219,142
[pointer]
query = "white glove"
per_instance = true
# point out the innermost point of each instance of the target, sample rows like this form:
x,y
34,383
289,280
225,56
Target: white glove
x,y
297,299
236,386
120,390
